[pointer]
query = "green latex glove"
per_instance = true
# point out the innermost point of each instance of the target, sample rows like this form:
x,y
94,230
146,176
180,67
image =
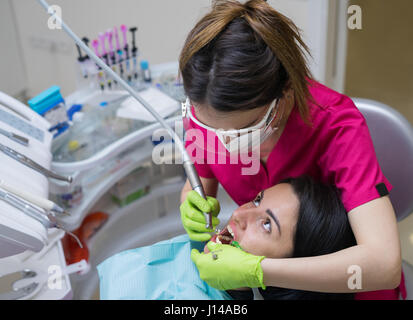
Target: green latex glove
x,y
233,268
193,218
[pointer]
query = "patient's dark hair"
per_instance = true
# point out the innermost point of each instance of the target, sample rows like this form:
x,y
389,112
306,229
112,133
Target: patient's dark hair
x,y
322,228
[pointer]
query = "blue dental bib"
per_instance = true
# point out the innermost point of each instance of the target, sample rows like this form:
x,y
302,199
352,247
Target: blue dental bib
x,y
162,271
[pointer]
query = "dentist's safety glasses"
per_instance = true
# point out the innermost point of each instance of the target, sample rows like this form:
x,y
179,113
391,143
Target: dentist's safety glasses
x,y
234,141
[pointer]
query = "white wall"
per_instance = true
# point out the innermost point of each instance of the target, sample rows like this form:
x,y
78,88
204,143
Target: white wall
x,y
12,71
50,55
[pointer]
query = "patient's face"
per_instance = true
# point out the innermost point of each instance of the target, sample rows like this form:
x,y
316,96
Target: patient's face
x,y
266,225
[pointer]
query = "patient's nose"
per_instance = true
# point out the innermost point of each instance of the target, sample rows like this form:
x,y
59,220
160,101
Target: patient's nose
x,y
240,216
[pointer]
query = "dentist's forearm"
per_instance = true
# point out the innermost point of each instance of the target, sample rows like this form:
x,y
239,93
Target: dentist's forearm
x,y
332,272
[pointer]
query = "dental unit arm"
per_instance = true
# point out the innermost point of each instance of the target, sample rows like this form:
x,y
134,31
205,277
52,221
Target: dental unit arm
x,y
190,170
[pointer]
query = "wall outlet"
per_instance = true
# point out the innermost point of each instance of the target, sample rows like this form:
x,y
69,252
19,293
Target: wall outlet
x,y
51,45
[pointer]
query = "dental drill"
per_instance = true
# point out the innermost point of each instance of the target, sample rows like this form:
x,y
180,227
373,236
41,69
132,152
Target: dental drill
x,y
187,162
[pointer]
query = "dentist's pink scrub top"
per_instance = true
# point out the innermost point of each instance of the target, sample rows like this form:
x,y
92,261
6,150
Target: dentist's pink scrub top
x,y
337,150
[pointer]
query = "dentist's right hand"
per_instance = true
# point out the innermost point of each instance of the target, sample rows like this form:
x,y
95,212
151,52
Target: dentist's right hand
x,y
193,218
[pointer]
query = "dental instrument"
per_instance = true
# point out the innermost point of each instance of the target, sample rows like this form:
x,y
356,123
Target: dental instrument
x,y
86,57
134,52
86,41
48,220
124,30
32,164
109,36
118,51
115,31
189,167
95,45
81,59
15,137
102,38
38,201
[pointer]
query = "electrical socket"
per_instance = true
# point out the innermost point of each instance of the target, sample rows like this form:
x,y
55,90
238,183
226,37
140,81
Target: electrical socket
x,y
51,45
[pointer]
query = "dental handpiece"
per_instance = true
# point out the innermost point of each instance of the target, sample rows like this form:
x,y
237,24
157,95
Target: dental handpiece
x,y
187,163
46,204
32,164
46,219
196,185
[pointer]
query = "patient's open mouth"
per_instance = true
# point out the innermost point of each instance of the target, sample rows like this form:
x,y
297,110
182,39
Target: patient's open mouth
x,y
226,236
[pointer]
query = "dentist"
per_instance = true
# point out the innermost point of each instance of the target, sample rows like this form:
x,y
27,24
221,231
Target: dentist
x,y
250,89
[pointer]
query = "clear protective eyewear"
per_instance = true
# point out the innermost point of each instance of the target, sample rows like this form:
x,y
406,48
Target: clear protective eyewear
x,y
239,139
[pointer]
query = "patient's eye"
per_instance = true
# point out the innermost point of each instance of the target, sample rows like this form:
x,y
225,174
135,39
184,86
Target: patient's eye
x,y
257,199
267,225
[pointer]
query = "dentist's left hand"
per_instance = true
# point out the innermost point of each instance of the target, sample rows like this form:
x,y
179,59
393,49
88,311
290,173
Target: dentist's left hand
x,y
193,218
233,268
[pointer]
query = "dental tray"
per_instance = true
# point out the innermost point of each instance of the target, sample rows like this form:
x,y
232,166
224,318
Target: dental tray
x,y
105,148
101,130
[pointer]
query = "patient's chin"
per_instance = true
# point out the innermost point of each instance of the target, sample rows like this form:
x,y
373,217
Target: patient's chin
x,y
206,250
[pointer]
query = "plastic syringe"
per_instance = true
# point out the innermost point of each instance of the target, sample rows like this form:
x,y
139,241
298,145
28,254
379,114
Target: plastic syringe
x,y
190,170
134,52
109,36
124,30
102,38
95,45
118,51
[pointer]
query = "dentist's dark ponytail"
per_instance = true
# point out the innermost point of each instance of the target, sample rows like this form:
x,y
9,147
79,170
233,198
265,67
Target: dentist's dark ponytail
x,y
242,56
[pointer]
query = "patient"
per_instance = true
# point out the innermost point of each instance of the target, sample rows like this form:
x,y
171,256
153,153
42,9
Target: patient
x,y
296,218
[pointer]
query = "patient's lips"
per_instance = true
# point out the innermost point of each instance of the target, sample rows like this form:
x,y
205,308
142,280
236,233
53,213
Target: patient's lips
x,y
226,236
233,230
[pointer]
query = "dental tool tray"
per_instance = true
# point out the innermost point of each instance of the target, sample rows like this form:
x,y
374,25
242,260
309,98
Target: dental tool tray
x,y
26,246
100,148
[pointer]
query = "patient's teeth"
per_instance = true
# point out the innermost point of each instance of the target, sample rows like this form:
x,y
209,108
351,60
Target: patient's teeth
x,y
230,231
218,241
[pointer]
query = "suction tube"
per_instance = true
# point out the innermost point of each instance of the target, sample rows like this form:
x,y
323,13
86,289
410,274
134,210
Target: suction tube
x,y
187,162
